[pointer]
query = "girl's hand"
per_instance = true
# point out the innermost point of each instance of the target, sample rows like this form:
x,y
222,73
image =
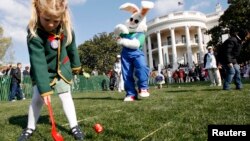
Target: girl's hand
x,y
46,99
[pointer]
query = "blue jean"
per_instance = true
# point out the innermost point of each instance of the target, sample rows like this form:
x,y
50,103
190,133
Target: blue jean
x,y
134,63
232,73
16,91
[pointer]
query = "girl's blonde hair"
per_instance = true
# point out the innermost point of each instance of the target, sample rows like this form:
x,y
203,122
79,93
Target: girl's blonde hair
x,y
54,8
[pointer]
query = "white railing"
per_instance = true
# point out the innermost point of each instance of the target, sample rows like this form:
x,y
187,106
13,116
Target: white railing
x,y
178,15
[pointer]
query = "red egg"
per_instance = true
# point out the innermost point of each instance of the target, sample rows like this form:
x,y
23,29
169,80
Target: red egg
x,y
98,128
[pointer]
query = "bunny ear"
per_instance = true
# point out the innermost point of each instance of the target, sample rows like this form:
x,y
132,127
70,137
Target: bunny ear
x,y
132,8
144,11
146,5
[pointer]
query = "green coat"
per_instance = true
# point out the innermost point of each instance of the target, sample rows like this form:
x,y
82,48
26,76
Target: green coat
x,y
48,64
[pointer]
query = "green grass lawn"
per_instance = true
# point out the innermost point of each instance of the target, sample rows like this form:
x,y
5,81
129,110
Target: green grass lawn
x,y
172,113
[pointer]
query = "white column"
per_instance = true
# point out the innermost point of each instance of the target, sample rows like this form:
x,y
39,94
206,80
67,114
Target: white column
x,y
159,48
174,54
200,44
145,52
150,57
165,55
189,50
185,58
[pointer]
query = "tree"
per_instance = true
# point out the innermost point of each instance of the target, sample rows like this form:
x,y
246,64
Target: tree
x,y
9,55
99,52
5,43
237,15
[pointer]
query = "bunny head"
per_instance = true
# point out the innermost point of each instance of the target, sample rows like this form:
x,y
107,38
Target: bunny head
x,y
137,21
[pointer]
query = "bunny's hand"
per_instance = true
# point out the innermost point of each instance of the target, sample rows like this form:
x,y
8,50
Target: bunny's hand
x,y
121,29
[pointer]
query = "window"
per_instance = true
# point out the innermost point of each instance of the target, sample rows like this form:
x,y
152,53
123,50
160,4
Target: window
x,y
198,57
152,46
196,38
183,38
169,40
170,59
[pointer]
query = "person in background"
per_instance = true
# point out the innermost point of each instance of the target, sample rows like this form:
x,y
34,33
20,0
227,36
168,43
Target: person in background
x,y
210,65
8,70
1,71
159,79
228,54
169,76
181,75
54,60
118,74
94,72
16,90
26,72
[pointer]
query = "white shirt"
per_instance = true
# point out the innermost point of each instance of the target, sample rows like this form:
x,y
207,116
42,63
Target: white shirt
x,y
210,61
118,67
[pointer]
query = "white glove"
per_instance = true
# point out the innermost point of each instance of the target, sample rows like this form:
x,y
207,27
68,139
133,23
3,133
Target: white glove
x,y
121,28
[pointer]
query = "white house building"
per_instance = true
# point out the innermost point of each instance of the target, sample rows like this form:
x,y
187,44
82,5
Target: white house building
x,y
179,37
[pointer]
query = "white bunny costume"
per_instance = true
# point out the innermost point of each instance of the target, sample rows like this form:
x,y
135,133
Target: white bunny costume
x,y
131,37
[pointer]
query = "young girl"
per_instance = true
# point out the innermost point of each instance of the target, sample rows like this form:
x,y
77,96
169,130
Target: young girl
x,y
160,79
53,57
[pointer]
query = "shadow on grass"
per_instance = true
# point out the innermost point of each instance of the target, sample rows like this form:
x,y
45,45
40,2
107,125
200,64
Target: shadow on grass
x,y
22,122
19,121
211,90
23,119
184,91
98,98
108,132
181,91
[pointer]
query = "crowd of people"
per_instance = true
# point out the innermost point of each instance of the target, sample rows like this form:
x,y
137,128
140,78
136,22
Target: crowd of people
x,y
183,74
16,76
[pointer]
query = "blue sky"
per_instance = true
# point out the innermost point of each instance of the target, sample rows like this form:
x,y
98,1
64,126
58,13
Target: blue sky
x,y
89,17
